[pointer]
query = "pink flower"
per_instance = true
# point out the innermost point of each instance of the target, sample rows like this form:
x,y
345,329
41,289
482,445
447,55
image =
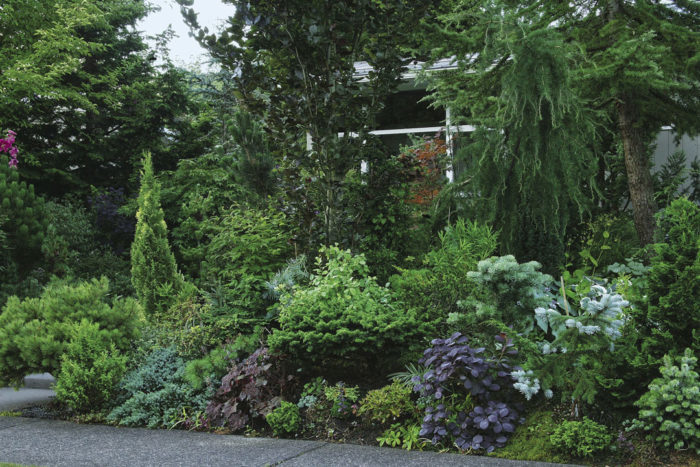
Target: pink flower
x,y
7,145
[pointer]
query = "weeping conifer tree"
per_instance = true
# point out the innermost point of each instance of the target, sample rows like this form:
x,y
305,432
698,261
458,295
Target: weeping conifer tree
x,y
153,269
531,163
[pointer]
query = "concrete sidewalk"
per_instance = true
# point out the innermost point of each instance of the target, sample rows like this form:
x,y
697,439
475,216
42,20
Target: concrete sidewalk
x,y
12,399
57,443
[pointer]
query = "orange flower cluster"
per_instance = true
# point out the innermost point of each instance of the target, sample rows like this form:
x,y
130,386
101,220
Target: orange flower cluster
x,y
424,169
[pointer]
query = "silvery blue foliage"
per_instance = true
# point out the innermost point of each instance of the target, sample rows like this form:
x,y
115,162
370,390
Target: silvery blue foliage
x,y
601,306
526,383
571,361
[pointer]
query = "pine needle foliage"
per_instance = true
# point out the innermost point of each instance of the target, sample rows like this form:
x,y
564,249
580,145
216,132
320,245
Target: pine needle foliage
x,y
153,265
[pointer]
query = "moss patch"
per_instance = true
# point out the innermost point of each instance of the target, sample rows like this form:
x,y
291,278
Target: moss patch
x,y
530,442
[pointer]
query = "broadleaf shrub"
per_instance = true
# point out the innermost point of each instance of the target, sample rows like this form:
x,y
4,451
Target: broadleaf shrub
x,y
456,369
91,368
432,291
249,391
343,319
34,332
670,410
250,246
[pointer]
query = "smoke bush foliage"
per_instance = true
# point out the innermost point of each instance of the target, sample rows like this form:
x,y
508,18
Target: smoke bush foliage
x,y
251,390
456,368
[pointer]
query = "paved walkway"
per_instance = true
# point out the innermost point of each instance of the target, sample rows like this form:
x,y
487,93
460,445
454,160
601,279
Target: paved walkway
x,y
11,399
57,443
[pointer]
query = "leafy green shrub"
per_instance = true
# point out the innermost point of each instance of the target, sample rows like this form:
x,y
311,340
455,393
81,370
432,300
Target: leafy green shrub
x,y
343,319
670,411
152,263
90,369
212,367
250,391
670,321
581,438
387,404
606,240
155,392
250,246
343,399
433,291
285,419
34,332
406,437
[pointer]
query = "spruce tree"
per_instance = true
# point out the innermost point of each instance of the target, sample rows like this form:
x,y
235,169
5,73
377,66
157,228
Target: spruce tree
x,y
153,268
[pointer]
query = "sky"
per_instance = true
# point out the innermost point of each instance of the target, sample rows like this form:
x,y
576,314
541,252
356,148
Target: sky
x,y
184,50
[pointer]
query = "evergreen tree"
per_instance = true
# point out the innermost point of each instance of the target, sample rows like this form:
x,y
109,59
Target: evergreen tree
x,y
79,82
531,162
642,67
153,270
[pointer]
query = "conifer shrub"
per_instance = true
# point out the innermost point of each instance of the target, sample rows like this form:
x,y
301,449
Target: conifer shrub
x,y
90,370
343,319
154,392
669,412
504,294
153,269
583,335
285,419
583,438
75,246
433,290
35,332
26,223
388,404
669,321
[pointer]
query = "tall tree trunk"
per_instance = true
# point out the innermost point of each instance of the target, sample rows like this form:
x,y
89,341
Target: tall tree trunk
x,y
637,165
